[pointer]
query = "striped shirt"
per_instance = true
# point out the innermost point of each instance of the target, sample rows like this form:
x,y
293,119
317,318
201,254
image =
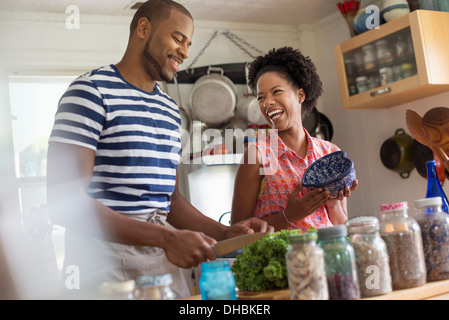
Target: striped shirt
x,y
135,135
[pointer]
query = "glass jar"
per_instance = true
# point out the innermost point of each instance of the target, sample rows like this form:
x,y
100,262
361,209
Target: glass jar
x,y
118,290
402,236
407,70
154,287
362,84
434,225
339,258
386,75
369,56
217,281
384,51
306,270
373,269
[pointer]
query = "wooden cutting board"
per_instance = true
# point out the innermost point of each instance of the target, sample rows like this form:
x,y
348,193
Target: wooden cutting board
x,y
279,294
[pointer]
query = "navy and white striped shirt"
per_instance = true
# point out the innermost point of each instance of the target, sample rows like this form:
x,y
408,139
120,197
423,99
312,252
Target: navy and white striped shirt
x,y
135,135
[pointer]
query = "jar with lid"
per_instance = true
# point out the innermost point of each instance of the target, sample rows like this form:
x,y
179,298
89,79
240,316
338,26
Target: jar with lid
x,y
154,287
407,70
369,56
373,269
402,236
384,52
306,269
434,225
400,46
386,75
362,84
339,258
217,281
111,290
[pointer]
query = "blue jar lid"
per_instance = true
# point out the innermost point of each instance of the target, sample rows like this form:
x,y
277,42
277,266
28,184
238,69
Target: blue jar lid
x,y
217,265
154,280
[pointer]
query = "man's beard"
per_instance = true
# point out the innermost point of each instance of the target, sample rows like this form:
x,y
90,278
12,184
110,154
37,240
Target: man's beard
x,y
149,58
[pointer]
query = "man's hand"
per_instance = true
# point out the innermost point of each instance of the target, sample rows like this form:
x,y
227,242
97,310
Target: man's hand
x,y
187,249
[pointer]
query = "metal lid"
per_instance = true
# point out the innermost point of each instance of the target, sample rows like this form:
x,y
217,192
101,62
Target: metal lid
x,y
154,280
391,207
363,224
427,202
332,232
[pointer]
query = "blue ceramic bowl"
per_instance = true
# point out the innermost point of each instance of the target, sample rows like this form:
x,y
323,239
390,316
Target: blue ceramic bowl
x,y
332,172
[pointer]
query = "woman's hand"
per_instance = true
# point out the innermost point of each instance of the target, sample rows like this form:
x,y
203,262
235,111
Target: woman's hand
x,y
300,207
346,192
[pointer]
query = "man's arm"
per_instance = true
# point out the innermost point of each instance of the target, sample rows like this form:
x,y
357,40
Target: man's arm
x,y
69,171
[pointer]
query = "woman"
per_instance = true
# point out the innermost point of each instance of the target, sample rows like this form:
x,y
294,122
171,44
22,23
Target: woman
x,y
268,181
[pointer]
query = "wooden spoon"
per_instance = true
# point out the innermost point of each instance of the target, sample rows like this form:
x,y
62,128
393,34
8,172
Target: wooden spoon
x,y
435,123
414,125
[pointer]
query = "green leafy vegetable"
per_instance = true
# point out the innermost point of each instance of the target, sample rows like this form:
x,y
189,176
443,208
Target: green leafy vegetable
x,y
261,265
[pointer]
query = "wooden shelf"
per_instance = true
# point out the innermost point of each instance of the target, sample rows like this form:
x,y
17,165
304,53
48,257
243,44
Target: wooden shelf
x,y
438,290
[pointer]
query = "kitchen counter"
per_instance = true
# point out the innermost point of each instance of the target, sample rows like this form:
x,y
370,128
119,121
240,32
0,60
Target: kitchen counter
x,y
438,290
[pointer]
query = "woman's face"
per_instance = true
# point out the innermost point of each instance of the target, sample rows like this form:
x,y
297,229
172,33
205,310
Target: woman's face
x,y
279,100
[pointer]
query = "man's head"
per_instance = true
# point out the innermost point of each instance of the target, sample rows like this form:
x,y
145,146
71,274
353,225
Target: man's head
x,y
157,11
162,31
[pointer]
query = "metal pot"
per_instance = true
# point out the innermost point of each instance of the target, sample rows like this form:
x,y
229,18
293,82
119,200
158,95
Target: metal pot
x,y
213,97
396,153
248,106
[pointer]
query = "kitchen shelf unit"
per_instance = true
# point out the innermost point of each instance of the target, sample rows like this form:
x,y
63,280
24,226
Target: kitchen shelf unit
x,y
429,32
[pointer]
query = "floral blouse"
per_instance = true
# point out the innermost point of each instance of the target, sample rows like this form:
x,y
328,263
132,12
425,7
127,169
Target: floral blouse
x,y
282,173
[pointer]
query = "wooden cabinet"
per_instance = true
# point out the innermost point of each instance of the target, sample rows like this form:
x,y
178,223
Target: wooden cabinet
x,y
403,60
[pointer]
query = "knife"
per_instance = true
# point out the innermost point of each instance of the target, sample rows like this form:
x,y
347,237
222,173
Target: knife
x,y
232,244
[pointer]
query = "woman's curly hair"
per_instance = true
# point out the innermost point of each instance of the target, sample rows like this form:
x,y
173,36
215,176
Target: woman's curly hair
x,y
298,70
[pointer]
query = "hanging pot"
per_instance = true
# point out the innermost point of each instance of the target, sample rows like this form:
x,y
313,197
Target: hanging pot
x,y
396,153
213,97
311,121
248,106
324,129
421,154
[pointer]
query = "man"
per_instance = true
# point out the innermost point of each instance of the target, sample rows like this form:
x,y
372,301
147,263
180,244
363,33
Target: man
x,y
112,160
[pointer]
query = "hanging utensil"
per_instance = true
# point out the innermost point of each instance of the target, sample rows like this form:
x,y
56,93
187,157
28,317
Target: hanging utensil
x,y
414,125
248,106
434,123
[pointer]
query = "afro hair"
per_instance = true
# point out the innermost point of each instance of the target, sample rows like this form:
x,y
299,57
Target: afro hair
x,y
298,70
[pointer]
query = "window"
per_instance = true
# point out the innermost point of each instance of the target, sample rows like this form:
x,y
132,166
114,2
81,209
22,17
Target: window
x,y
33,101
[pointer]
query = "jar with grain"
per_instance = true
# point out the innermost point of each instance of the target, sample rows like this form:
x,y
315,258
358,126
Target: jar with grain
x,y
305,267
402,236
339,258
434,225
371,254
